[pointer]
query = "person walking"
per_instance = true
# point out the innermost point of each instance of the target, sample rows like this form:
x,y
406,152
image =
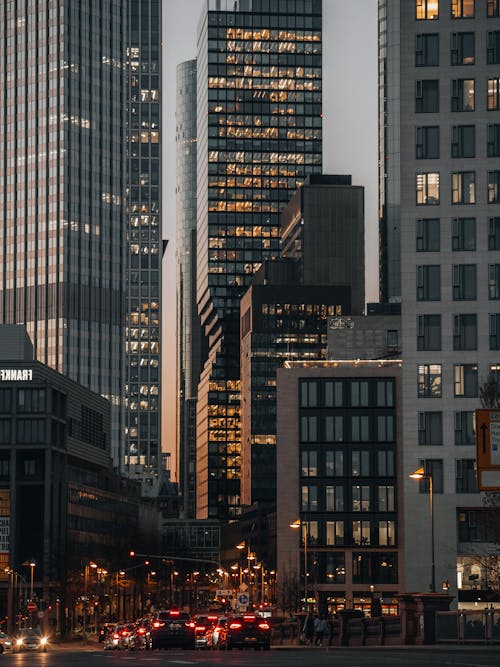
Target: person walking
x,y
308,629
320,626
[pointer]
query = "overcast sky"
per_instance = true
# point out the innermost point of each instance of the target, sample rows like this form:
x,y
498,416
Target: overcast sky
x,y
350,55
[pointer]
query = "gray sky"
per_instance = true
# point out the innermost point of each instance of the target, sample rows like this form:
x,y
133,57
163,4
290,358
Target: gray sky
x,y
350,86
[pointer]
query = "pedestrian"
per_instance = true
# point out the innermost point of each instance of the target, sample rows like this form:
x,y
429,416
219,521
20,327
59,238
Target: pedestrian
x,y
320,626
308,629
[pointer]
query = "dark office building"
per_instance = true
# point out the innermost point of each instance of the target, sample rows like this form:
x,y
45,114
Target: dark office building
x,y
62,505
143,323
189,338
259,135
279,322
323,225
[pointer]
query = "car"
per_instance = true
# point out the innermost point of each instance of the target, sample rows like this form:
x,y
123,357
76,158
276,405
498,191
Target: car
x,y
172,628
30,639
141,636
248,631
104,631
5,642
218,633
203,630
112,639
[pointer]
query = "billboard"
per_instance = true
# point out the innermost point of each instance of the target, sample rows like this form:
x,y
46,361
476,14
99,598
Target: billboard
x,y
488,449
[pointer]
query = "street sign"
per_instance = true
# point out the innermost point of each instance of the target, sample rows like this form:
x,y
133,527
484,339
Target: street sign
x,y
488,449
31,606
243,600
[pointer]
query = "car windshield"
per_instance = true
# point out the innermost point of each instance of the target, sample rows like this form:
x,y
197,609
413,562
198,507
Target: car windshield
x,y
29,632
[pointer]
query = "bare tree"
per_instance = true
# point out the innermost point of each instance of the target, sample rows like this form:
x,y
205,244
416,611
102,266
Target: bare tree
x,y
289,591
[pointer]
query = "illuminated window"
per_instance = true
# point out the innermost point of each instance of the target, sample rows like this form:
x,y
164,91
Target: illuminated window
x,y
462,9
426,9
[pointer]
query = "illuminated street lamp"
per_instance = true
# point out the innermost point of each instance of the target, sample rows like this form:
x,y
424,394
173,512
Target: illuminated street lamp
x,y
298,523
419,474
32,565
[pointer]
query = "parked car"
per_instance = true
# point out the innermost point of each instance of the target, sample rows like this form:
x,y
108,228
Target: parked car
x,y
218,633
172,628
141,636
248,631
203,629
5,642
30,639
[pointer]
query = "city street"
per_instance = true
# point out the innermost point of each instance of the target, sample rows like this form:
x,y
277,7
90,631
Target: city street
x,y
93,656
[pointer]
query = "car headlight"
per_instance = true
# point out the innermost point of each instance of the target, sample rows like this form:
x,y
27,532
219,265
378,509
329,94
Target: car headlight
x,y
43,641
19,642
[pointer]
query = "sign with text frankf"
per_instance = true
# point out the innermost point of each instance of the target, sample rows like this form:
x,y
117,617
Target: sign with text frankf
x,y
488,449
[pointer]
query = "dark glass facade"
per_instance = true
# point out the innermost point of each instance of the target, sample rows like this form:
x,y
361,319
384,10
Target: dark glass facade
x,y
144,243
259,135
62,175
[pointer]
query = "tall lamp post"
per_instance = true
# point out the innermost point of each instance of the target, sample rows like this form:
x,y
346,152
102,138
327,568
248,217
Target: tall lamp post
x,y
419,474
32,565
250,557
298,523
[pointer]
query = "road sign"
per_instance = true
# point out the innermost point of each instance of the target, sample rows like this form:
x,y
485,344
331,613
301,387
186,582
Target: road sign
x,y
488,449
32,606
243,599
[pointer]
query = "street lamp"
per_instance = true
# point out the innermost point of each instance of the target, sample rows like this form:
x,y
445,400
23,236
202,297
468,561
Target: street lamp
x,y
32,565
421,473
298,523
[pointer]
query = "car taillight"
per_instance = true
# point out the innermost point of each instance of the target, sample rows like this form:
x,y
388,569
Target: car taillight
x,y
158,624
212,618
124,633
174,613
141,631
200,628
190,625
235,626
263,626
116,636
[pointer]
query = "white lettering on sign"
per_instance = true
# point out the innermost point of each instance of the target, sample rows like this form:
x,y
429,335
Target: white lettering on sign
x,y
16,374
495,443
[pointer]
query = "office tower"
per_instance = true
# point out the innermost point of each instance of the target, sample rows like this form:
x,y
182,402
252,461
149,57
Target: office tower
x,y
142,333
280,321
285,316
323,226
259,135
339,481
440,200
189,336
62,176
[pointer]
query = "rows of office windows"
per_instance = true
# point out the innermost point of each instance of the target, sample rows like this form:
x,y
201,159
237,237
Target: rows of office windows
x,y
346,532
317,497
428,10
462,48
463,188
478,525
462,95
463,283
430,428
346,462
462,234
329,567
348,428
346,392
462,141
465,476
465,380
464,329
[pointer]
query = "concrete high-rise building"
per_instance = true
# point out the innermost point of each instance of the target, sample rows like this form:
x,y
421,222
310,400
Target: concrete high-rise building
x,y
189,336
259,135
62,182
440,231
144,243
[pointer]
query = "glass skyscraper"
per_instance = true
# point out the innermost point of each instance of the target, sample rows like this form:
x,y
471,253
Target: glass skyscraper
x,y
62,177
144,243
259,135
80,228
189,338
